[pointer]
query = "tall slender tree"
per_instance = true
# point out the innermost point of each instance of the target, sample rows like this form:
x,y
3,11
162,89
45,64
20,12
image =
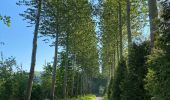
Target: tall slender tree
x,y
51,26
54,67
34,50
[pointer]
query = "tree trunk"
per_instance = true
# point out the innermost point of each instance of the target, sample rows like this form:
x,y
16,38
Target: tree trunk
x,y
33,57
128,24
114,56
54,68
90,84
72,87
81,85
110,69
117,49
65,70
77,83
153,15
120,29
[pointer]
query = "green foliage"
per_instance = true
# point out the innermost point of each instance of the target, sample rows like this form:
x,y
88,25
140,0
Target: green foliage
x,y
6,20
36,93
12,84
158,77
6,78
133,85
105,97
46,80
86,97
109,29
19,85
127,83
30,13
115,84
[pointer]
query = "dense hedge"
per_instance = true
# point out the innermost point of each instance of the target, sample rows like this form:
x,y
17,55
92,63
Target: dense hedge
x,y
158,77
114,86
127,83
133,86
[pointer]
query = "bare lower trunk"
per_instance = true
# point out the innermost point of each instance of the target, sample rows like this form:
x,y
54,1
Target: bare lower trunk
x,y
114,56
33,57
77,87
90,84
113,64
153,15
54,68
81,83
128,22
117,55
72,87
65,70
110,71
117,42
65,82
120,29
74,65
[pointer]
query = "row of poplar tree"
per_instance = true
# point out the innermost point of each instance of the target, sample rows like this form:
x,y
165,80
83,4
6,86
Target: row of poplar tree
x,y
69,24
137,68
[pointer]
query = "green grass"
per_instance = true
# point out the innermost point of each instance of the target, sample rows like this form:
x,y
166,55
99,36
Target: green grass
x,y
87,97
105,97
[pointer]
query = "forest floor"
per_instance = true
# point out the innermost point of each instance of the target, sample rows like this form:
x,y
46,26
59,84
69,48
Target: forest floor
x,y
98,98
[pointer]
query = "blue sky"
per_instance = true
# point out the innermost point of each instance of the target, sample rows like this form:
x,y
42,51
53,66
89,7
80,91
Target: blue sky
x,y
18,38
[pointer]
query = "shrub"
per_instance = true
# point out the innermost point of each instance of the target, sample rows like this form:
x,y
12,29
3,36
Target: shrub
x,y
158,76
133,85
114,87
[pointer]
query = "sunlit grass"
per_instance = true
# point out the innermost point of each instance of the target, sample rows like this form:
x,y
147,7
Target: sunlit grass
x,y
87,97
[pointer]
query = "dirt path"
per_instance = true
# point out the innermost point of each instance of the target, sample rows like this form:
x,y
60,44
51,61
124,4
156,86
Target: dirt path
x,y
98,98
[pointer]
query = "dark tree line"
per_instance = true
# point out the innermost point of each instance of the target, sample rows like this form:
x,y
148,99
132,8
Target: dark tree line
x,y
143,75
